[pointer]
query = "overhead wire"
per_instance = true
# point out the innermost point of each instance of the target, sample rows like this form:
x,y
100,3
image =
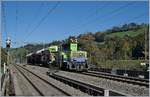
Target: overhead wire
x,y
135,17
131,19
105,16
16,30
42,19
98,10
35,16
4,19
113,12
93,13
16,18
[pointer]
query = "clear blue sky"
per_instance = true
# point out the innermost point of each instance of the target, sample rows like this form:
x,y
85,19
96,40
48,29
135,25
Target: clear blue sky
x,y
68,18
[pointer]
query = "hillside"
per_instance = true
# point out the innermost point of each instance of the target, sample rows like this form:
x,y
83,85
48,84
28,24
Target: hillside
x,y
131,33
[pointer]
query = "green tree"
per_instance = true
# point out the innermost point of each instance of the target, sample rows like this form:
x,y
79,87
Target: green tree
x,y
126,47
99,36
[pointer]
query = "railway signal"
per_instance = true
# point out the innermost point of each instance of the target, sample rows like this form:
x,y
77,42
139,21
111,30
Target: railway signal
x,y
8,42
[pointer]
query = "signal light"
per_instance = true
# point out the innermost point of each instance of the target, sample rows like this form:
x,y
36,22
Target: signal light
x,y
8,42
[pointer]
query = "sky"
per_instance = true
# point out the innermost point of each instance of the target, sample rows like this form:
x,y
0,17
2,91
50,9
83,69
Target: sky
x,y
45,21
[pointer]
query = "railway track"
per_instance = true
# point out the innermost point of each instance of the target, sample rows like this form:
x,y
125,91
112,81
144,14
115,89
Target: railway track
x,y
87,88
130,80
38,82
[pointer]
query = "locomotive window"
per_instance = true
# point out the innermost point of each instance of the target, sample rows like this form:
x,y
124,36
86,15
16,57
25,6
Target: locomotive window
x,y
78,55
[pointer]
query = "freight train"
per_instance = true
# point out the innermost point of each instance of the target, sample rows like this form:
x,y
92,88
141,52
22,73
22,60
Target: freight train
x,y
66,57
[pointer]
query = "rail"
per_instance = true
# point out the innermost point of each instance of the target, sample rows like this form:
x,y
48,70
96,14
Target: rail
x,y
85,87
67,94
131,80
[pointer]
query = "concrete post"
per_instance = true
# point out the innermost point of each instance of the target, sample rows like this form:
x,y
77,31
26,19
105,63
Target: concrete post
x,y
106,92
4,68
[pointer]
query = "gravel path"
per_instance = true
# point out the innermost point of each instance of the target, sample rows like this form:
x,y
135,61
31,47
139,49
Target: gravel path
x,y
130,89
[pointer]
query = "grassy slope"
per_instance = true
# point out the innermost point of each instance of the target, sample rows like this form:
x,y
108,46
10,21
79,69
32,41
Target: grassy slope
x,y
122,34
122,64
18,53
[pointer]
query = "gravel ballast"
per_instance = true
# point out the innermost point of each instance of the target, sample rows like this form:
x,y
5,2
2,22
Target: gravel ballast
x,y
25,87
59,84
129,89
133,90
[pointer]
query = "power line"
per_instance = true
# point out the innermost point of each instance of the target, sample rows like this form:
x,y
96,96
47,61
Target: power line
x,y
132,18
113,12
35,16
136,17
16,18
4,19
101,8
95,12
110,14
43,18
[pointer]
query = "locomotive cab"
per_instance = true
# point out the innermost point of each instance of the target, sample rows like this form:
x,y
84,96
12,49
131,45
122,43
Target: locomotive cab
x,y
78,60
75,60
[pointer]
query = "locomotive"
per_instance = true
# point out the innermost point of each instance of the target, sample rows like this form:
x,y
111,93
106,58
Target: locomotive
x,y
65,57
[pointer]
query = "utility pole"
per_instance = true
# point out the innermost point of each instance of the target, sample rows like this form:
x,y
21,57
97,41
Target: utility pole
x,y
126,47
43,45
146,47
26,52
25,56
60,55
146,40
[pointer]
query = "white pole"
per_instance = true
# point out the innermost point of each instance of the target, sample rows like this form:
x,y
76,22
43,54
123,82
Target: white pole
x,y
4,67
106,92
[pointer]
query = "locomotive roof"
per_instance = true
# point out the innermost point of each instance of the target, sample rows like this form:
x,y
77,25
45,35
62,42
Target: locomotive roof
x,y
29,54
39,51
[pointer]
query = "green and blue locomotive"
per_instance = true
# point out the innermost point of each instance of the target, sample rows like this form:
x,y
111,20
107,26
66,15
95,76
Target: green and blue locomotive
x,y
66,57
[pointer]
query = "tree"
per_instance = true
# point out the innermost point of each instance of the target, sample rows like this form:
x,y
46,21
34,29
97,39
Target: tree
x,y
124,27
110,45
92,50
116,29
126,47
132,26
99,36
137,52
87,37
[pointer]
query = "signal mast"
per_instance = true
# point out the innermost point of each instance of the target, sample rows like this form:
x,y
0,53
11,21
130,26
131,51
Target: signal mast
x,y
8,43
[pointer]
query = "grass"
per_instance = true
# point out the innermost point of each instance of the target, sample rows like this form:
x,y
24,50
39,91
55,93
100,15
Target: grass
x,y
122,64
130,33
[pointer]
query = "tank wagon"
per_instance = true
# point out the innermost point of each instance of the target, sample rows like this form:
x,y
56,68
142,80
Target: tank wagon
x,y
66,57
